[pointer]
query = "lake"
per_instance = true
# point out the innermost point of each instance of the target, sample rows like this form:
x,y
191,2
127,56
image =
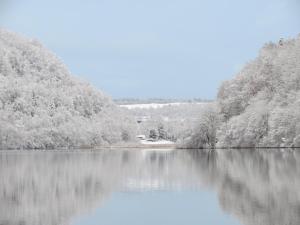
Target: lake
x,y
110,187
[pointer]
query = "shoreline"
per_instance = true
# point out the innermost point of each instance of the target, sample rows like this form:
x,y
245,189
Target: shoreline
x,y
144,147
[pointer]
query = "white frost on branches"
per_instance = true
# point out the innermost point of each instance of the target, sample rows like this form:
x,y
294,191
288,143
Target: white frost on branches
x,y
43,106
260,107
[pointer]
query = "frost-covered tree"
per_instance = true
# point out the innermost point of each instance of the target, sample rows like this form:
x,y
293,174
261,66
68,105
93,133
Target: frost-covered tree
x,y
153,134
171,122
260,107
204,133
161,132
43,106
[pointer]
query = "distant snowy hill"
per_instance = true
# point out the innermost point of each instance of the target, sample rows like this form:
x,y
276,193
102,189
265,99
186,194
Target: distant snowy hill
x,y
166,121
43,106
159,105
138,101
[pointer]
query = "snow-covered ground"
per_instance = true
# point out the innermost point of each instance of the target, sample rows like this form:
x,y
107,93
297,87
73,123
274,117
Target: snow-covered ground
x,y
156,105
159,142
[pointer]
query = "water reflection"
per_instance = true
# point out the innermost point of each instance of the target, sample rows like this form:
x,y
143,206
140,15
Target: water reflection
x,y
50,188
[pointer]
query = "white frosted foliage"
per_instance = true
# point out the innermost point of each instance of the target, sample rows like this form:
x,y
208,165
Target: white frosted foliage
x,y
43,106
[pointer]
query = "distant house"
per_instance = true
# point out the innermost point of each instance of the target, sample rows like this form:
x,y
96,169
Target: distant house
x,y
141,137
142,119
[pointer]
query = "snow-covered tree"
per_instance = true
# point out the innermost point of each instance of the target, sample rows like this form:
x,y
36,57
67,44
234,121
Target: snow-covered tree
x,y
204,133
153,134
43,106
260,107
171,122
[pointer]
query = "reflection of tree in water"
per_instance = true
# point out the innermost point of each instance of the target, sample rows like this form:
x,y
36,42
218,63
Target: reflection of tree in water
x,y
257,187
50,188
47,188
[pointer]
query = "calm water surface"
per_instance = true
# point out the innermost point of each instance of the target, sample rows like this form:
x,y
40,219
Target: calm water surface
x,y
110,187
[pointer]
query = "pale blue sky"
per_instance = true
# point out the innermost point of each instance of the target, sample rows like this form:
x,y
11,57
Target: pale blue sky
x,y
154,48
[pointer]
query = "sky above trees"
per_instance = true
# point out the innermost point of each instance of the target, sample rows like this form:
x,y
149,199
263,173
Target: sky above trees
x,y
138,48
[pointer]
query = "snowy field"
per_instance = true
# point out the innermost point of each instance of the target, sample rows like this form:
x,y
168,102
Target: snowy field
x,y
157,105
158,142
